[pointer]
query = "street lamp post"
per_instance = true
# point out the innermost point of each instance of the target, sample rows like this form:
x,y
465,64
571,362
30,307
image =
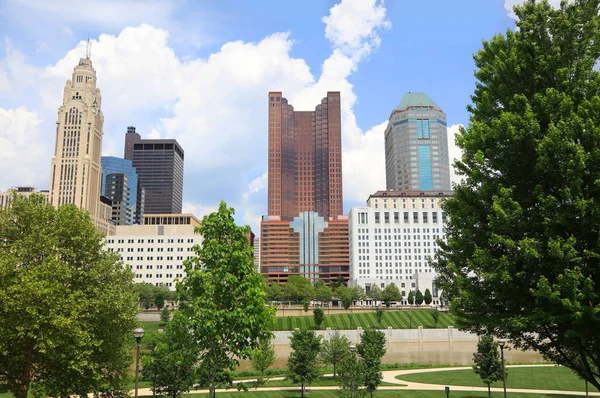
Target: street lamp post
x,y
410,320
501,344
138,334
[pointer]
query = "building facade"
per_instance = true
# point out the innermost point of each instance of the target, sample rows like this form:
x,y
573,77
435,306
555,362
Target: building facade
x,y
75,174
6,196
159,165
393,238
120,184
155,251
416,146
305,232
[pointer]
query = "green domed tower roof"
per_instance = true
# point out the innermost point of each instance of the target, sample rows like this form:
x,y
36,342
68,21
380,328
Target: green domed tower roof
x,y
415,99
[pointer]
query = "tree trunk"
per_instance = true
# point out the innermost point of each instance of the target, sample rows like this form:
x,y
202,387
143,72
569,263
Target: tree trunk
x,y
489,391
211,386
302,391
26,373
334,369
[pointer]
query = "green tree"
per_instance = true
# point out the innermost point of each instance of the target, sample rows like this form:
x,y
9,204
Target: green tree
x,y
165,315
323,293
487,362
159,301
67,306
298,289
521,261
274,292
335,349
304,357
411,298
435,315
358,293
318,316
379,314
351,376
419,297
390,293
371,349
339,281
345,295
170,359
427,297
375,292
224,296
263,357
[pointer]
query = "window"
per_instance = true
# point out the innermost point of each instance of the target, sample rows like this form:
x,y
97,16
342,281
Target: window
x,y
386,217
377,214
425,218
396,217
434,218
406,217
444,217
415,217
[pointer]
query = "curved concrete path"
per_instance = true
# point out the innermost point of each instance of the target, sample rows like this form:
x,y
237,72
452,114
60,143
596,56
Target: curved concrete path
x,y
389,376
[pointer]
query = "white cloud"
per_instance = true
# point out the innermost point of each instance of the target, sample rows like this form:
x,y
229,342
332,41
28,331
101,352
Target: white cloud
x,y
454,152
509,4
216,106
20,140
15,73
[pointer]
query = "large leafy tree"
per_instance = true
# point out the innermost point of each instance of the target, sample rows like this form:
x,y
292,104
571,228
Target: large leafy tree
x,y
390,293
352,376
487,363
298,289
304,358
263,357
522,259
323,293
371,349
375,292
335,349
224,296
67,306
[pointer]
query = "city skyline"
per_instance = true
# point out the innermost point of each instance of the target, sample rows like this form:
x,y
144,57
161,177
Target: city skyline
x,y
173,99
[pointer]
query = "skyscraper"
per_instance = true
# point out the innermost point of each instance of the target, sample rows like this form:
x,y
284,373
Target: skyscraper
x,y
75,175
159,165
120,184
416,146
305,158
305,232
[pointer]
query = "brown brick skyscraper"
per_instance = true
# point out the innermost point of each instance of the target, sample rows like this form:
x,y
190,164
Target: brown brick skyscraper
x,y
305,158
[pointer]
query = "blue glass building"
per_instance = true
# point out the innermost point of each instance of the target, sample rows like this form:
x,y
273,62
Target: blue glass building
x,y
121,185
416,146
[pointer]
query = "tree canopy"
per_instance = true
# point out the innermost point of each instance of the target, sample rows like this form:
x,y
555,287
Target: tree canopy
x,y
371,349
390,293
224,296
298,289
334,349
522,254
67,306
487,363
304,358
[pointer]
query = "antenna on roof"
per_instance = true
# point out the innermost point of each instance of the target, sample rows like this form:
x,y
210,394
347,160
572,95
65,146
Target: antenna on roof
x,y
88,49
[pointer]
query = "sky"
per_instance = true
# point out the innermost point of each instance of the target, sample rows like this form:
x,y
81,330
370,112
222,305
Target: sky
x,y
199,71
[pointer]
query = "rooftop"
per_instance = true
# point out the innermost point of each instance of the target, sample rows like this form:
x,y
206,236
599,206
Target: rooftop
x,y
415,99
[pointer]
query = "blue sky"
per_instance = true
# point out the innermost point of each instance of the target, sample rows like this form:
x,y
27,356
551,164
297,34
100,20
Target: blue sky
x,y
199,71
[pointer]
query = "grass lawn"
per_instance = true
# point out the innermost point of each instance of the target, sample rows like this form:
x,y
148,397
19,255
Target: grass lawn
x,y
395,319
545,378
378,394
320,382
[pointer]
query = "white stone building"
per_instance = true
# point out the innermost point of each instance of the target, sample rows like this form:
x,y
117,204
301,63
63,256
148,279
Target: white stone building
x,y
156,250
393,238
6,196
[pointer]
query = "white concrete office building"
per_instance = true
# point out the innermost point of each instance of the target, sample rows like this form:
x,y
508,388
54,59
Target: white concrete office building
x,y
156,250
393,238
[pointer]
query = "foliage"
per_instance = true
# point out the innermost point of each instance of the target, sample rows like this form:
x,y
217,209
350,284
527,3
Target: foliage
x,y
358,293
298,289
67,306
159,301
346,296
418,297
379,314
390,293
351,376
375,292
411,298
274,292
339,281
427,297
165,315
169,361
371,349
318,315
323,293
487,363
303,360
150,294
305,306
263,357
224,296
335,349
435,315
522,256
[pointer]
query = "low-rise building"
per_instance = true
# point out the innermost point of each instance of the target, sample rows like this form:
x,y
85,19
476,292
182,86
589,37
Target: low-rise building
x,y
155,251
393,238
6,196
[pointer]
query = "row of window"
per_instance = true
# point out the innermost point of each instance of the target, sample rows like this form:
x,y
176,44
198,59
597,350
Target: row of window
x,y
151,240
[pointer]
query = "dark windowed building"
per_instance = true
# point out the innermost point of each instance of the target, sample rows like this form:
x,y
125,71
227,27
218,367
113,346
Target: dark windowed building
x,y
159,165
120,184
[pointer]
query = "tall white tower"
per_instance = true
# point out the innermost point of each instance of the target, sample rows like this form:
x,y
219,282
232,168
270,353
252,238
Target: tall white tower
x,y
75,175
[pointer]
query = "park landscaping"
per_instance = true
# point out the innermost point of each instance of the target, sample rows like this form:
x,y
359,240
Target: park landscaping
x,y
542,377
378,394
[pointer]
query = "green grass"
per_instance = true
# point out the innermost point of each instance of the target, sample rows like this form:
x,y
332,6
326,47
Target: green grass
x,y
378,394
395,319
323,381
544,378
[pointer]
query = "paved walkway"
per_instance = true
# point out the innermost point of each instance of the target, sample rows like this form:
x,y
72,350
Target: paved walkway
x,y
389,376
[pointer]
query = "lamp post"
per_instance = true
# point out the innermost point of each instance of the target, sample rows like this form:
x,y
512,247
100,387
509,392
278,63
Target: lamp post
x,y
138,334
501,343
410,320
